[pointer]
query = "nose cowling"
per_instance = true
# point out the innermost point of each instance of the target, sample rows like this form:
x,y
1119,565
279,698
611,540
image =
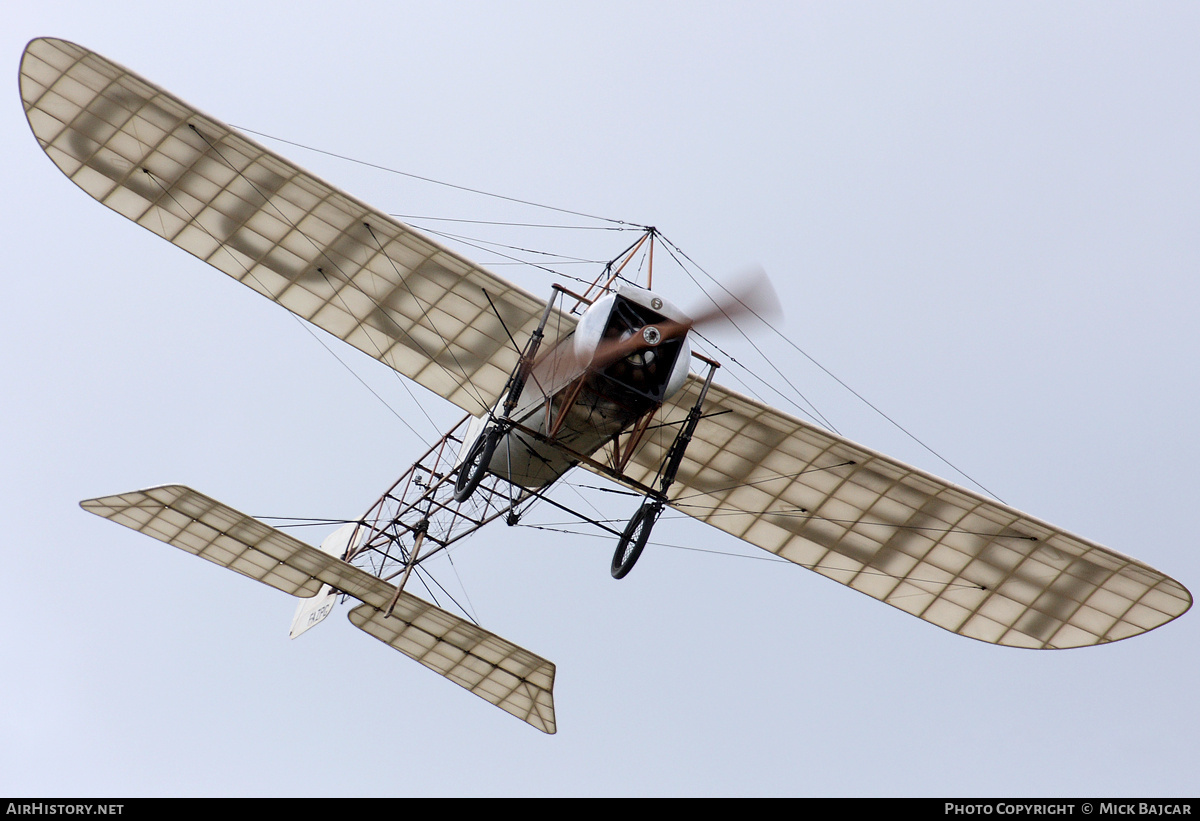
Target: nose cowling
x,y
637,340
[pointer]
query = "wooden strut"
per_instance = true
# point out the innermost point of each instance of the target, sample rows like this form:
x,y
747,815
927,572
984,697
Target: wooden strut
x,y
650,262
572,393
616,470
600,467
421,529
407,478
520,375
427,481
650,232
431,519
621,456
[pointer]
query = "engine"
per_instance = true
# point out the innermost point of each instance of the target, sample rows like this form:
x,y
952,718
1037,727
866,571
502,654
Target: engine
x,y
647,377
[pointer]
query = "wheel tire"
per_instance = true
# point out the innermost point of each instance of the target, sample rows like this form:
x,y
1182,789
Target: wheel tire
x,y
474,467
633,539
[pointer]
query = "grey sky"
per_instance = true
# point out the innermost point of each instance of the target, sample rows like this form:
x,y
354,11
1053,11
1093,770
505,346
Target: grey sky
x,y
982,216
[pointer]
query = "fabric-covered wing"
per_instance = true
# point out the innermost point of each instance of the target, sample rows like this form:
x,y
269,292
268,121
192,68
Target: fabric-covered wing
x,y
968,564
364,277
496,670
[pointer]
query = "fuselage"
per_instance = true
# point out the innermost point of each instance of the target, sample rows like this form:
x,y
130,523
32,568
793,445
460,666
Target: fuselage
x,y
574,402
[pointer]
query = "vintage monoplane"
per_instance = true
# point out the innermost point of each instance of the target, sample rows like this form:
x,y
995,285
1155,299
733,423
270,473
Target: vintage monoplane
x,y
604,380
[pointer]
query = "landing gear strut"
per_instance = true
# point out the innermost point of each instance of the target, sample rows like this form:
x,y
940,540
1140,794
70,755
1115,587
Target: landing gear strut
x,y
637,532
474,467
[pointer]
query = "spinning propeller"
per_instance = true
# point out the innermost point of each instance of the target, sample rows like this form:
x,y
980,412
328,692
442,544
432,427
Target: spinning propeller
x,y
751,294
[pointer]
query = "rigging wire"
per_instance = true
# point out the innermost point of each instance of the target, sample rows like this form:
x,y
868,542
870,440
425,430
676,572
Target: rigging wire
x,y
771,557
683,260
440,182
519,224
562,258
513,260
830,374
425,314
672,249
263,289
625,224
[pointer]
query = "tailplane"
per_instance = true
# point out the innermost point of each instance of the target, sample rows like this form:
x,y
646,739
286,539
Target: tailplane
x,y
492,668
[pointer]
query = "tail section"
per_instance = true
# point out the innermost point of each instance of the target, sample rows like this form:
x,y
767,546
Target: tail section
x,y
497,671
311,612
185,519
492,668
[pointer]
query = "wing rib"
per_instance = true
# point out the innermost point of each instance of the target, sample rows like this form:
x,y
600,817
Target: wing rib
x,y
388,290
945,554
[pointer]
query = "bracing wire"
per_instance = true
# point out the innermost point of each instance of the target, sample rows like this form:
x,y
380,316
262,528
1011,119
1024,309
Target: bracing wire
x,y
624,224
826,371
681,258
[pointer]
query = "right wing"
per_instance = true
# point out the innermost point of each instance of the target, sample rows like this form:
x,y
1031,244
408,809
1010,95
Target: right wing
x,y
945,554
359,274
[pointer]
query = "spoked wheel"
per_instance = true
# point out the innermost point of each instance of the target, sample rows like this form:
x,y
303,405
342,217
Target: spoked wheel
x,y
473,468
633,540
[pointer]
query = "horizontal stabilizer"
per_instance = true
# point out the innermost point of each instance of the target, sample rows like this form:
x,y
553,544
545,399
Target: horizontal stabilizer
x,y
496,670
190,521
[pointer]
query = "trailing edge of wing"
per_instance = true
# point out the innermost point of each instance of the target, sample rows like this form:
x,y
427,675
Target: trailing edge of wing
x,y
943,553
496,670
359,274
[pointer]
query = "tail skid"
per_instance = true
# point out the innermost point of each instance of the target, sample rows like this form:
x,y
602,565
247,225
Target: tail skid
x,y
492,668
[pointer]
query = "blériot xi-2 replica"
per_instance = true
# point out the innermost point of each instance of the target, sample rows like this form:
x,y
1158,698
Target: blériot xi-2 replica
x,y
604,380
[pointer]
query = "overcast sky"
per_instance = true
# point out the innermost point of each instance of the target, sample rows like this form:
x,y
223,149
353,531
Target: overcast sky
x,y
981,216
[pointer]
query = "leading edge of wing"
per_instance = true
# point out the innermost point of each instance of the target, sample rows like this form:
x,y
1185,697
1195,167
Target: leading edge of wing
x,y
363,276
941,552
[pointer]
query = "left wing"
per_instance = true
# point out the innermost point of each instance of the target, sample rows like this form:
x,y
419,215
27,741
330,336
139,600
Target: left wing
x,y
359,274
943,553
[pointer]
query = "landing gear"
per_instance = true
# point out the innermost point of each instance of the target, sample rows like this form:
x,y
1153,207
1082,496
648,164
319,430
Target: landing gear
x,y
637,532
633,540
474,467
